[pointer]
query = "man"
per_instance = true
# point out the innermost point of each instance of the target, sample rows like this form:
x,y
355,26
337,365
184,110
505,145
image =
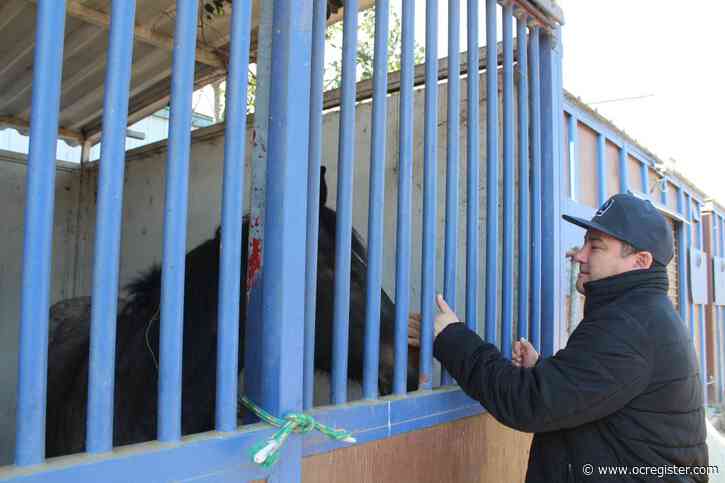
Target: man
x,y
625,392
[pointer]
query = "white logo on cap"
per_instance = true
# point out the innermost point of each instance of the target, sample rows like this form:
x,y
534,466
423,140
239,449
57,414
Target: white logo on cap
x,y
603,209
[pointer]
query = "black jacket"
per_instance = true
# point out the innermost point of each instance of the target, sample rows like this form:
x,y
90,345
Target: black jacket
x,y
625,391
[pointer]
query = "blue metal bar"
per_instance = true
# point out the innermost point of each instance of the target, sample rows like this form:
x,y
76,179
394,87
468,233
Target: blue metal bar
x,y
573,156
507,305
343,233
430,169
38,237
715,251
535,70
491,174
450,262
701,312
551,136
283,281
254,331
405,179
453,150
623,170
472,167
319,24
691,317
721,310
232,211
177,185
682,256
601,169
644,172
663,192
377,203
523,117
99,425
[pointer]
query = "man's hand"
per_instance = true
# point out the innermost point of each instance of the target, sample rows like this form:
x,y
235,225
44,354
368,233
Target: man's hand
x,y
445,317
524,354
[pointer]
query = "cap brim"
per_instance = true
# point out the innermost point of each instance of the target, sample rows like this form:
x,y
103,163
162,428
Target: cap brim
x,y
586,224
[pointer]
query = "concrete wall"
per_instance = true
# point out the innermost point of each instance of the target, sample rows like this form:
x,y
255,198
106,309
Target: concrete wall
x,y
13,175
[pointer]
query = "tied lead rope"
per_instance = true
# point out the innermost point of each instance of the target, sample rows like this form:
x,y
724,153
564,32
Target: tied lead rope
x,y
266,453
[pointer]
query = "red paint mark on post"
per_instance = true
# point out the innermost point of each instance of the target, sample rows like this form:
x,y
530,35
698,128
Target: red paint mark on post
x,y
255,262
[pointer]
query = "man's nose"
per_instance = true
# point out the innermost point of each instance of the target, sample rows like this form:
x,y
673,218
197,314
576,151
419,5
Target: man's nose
x,y
581,255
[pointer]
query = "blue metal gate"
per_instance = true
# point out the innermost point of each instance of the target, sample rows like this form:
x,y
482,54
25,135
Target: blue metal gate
x,y
280,332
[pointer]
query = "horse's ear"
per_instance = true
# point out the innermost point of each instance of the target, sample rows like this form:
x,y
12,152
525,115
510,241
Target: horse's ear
x,y
218,233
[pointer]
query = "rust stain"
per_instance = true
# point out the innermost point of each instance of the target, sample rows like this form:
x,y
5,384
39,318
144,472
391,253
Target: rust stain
x,y
255,263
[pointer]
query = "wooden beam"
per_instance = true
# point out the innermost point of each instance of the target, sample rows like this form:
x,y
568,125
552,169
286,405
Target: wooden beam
x,y
21,124
142,33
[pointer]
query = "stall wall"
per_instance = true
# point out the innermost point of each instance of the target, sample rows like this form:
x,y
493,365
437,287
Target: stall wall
x,y
475,449
13,174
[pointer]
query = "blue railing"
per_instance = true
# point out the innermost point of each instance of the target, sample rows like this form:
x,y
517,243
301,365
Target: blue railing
x,y
280,335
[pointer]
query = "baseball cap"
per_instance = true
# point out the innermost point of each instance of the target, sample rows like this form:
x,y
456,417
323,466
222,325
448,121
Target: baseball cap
x,y
635,221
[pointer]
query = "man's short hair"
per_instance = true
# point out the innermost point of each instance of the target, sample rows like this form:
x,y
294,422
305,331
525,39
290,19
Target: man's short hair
x,y
628,249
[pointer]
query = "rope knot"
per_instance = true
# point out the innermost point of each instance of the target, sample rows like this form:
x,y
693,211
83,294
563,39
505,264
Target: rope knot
x,y
266,453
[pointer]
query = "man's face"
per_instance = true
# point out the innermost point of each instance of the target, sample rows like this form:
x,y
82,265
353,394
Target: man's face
x,y
601,257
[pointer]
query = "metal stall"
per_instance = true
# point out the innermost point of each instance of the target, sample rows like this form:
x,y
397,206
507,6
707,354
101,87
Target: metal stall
x,y
511,171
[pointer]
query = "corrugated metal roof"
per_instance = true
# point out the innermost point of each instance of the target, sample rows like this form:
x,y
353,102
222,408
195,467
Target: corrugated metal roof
x,y
84,60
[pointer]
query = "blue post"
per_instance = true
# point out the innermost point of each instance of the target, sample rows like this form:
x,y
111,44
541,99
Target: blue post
x,y
523,111
491,174
623,169
38,237
601,168
101,376
701,312
174,261
405,179
508,180
453,150
343,233
715,251
377,203
644,173
319,24
551,141
721,310
450,263
682,256
235,136
663,192
472,168
286,208
254,331
573,156
536,253
691,317
430,168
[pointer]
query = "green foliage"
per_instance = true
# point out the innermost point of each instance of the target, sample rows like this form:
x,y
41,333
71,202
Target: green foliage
x,y
214,7
365,56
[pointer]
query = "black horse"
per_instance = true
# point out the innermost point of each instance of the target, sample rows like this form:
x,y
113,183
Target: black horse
x,y
137,344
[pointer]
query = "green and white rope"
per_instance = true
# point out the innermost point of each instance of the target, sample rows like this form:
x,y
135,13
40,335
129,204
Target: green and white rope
x,y
266,453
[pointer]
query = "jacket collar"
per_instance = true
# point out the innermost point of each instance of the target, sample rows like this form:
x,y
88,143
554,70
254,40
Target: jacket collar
x,y
606,290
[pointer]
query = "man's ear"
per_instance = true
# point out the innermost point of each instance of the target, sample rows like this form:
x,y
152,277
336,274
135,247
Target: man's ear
x,y
643,260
